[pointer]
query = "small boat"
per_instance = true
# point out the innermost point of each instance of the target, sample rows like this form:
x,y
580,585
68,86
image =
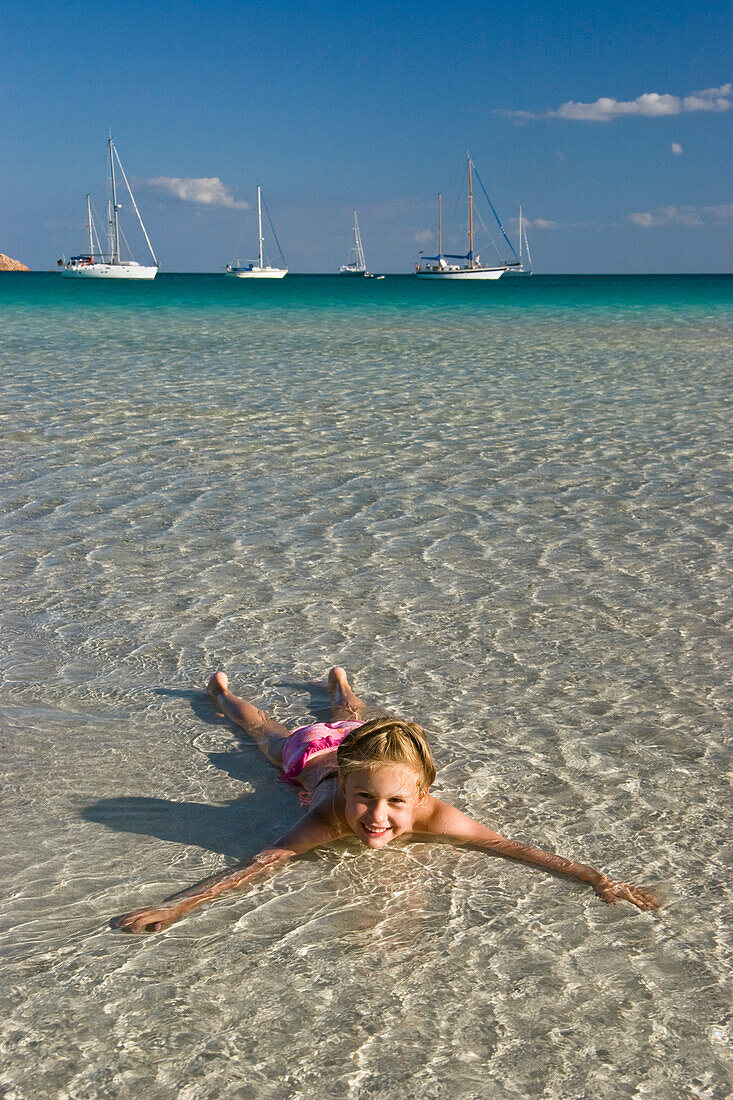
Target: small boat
x,y
355,265
468,265
523,247
261,269
96,264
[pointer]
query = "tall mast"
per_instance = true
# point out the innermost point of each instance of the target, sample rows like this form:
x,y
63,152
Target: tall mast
x,y
470,212
526,244
359,247
115,207
89,216
440,224
520,235
259,218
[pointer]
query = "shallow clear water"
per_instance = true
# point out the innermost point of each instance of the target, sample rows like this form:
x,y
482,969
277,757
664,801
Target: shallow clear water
x,y
505,509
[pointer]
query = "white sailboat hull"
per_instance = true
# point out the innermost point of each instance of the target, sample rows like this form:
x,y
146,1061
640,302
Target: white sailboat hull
x,y
467,273
258,273
109,271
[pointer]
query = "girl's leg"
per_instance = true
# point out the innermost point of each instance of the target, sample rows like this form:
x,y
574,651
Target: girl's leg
x,y
345,705
268,734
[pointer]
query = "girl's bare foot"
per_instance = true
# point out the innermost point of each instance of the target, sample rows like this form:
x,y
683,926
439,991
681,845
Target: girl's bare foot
x,y
342,695
216,686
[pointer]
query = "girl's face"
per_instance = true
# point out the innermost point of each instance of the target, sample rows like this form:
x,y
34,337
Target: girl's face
x,y
380,803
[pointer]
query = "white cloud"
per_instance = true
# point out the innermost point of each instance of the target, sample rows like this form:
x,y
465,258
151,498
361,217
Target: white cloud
x,y
676,149
712,99
535,223
683,215
649,105
205,191
540,223
423,237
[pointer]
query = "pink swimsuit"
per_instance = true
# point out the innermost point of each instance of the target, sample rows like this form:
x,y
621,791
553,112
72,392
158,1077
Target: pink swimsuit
x,y
309,741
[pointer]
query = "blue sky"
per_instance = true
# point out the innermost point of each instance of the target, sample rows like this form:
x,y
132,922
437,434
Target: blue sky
x,y
610,123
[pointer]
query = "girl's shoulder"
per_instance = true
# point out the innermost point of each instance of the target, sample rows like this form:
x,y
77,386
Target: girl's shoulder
x,y
438,818
327,803
431,813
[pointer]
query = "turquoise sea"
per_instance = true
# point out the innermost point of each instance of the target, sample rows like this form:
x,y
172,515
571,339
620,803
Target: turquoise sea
x,y
505,509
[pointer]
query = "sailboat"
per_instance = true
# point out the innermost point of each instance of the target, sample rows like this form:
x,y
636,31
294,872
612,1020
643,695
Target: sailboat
x,y
468,265
259,270
523,248
96,264
355,265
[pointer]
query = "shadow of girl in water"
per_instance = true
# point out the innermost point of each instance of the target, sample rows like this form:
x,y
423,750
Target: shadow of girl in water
x,y
232,829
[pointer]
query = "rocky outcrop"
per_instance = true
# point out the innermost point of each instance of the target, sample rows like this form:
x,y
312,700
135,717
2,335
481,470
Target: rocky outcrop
x,y
6,264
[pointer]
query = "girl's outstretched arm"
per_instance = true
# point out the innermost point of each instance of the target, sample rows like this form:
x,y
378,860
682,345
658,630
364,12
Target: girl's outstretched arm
x,y
314,829
450,823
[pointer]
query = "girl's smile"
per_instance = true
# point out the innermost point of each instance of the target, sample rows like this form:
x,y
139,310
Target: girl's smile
x,y
380,803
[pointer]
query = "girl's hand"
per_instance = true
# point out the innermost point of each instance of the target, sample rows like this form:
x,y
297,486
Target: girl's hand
x,y
612,892
149,920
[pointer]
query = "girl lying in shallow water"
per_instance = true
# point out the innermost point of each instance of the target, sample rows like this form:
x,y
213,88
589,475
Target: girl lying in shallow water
x,y
370,780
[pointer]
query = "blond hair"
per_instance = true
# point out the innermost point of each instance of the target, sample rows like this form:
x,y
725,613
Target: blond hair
x,y
387,741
